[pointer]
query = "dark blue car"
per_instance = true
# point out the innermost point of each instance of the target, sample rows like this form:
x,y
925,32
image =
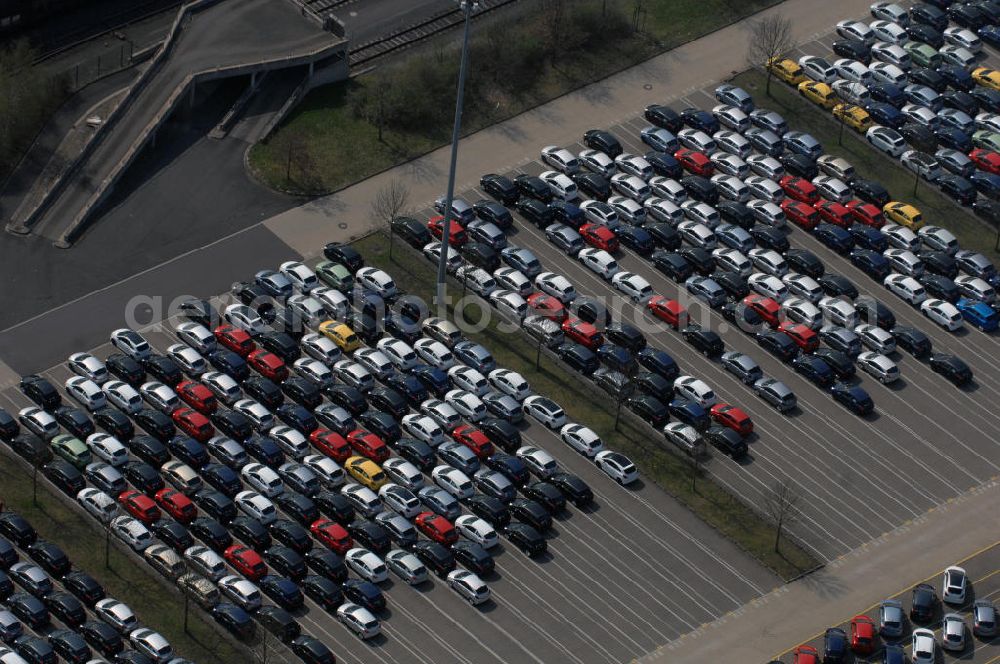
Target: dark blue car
x,y
990,34
834,237
957,77
636,238
702,120
659,362
616,357
886,115
989,99
664,164
953,138
873,264
987,184
867,237
853,398
887,93
689,413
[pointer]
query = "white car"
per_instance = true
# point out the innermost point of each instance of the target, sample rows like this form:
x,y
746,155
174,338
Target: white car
x,y
818,69
765,166
107,448
892,55
839,311
468,379
857,31
512,279
958,56
364,499
241,592
880,367
152,644
729,164
669,189
510,383
802,311
366,565
467,404
889,32
631,164
303,279
160,397
246,319
260,417
207,562
769,262
538,461
399,353
38,422
556,285
924,649
598,162
953,585
89,367
731,117
695,139
262,479
905,287
434,353
684,436
887,140
768,213
904,262
132,532
377,281
86,392
921,115
441,412
617,466
359,620
223,386
469,586
453,481
697,234
627,209
256,506
833,189
732,260
853,71
803,286
599,262
406,566
953,632
631,186
769,286
308,308
561,185
375,361
333,301
100,505
660,209
582,439
131,343
403,473
477,530
601,213
328,471
976,289
876,338
545,410
890,11
938,239
346,371
837,167
560,159
117,614
400,500
702,213
122,396
901,237
964,38
696,390
510,304
190,360
732,142
730,186
633,286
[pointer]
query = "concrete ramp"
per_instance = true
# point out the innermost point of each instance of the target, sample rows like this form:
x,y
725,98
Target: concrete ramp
x,y
210,39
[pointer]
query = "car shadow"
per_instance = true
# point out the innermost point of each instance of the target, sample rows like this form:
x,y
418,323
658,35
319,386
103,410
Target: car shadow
x,y
376,641
896,385
593,507
970,387
745,460
489,606
873,416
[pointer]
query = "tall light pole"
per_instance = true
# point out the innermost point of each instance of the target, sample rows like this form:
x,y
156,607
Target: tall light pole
x,y
467,6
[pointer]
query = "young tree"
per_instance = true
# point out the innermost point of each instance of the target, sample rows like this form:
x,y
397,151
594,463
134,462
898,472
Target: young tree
x,y
267,649
390,202
293,147
781,503
770,38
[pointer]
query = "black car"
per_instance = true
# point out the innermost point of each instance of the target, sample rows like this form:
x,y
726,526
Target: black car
x,y
66,608
573,488
28,609
532,186
778,344
958,188
912,340
8,555
940,287
928,77
887,93
834,646
281,344
594,185
237,621
212,533
701,120
799,164
962,101
216,504
706,342
495,213
407,386
312,650
873,312
835,285
366,593
286,561
531,512
364,326
301,508
735,285
938,262
344,254
484,256
251,532
510,466
526,538
546,495
664,164
222,478
768,237
264,450
853,49
9,427
649,408
625,335
116,423
297,417
929,15
149,450
700,189
102,637
233,424
923,604
837,361
918,136
871,263
672,264
654,385
700,259
32,448
156,424
411,231
230,363
490,509
864,237
579,358
417,452
201,312
835,237
805,262
347,397
327,563
279,622
664,235
951,367
659,362
853,398
163,368
815,369
635,238
40,391
591,311
188,450
126,369
726,441
283,591
323,591
370,535
35,650
173,534
66,477
957,77
73,420
501,433
500,188
967,16
664,116
49,557
597,139
735,213
438,558
473,557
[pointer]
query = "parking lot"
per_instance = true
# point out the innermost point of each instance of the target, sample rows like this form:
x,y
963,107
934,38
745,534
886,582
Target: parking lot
x,y
983,571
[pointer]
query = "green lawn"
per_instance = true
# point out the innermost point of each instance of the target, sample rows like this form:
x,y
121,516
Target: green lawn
x,y
870,163
584,403
83,542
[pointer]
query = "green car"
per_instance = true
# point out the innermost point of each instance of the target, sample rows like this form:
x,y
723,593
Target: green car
x,y
986,139
72,450
335,275
923,55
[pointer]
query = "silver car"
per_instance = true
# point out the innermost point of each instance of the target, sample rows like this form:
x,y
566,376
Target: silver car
x,y
775,393
984,619
953,632
891,619
406,566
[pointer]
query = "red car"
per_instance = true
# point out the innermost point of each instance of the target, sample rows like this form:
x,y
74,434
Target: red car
x,y
800,214
456,233
368,445
140,506
436,527
545,305
670,311
803,337
583,333
193,424
268,365
733,417
197,396
695,162
987,160
235,339
474,439
866,213
331,444
599,236
177,505
862,635
332,534
805,655
246,561
765,307
799,188
835,213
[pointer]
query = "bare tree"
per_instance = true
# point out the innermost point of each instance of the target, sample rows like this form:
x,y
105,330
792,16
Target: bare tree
x,y
770,38
267,649
390,202
781,503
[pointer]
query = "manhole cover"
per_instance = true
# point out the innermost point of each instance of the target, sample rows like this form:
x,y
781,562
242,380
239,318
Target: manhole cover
x,y
648,86
342,225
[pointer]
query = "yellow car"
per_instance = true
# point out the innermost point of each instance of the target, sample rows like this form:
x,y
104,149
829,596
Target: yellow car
x,y
818,93
988,78
903,214
340,334
366,471
854,117
787,70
